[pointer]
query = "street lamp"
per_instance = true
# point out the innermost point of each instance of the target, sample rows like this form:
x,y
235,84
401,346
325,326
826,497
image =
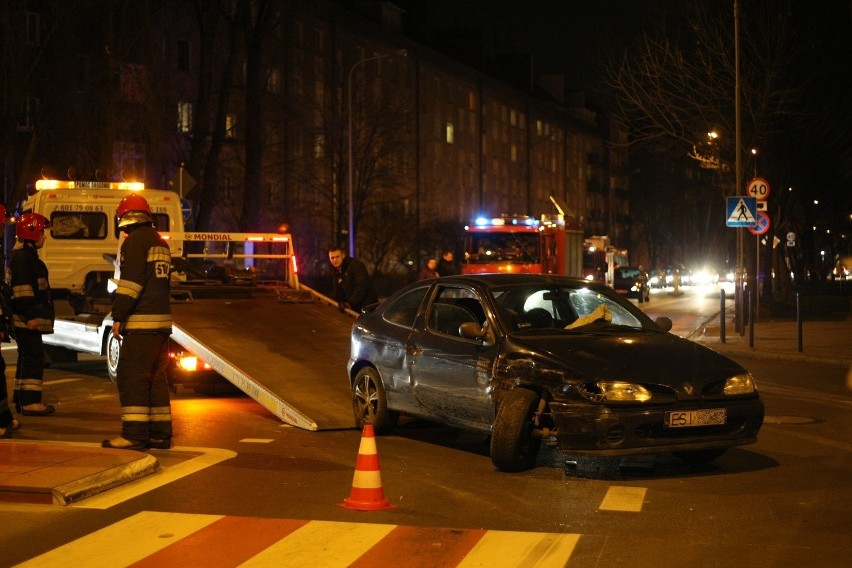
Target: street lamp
x,y
351,188
754,153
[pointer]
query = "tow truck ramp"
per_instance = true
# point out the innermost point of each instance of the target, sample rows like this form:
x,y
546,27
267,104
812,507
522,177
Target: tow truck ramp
x,y
289,356
280,342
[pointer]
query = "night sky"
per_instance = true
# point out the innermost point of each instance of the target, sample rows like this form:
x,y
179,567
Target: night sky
x,y
574,36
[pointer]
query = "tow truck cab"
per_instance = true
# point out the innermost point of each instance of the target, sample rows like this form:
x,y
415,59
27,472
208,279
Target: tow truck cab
x,y
80,247
84,229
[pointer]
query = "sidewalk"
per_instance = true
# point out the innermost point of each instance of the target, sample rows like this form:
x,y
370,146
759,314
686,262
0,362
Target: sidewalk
x,y
822,341
62,473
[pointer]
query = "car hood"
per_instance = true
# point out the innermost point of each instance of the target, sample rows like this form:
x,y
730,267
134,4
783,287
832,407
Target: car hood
x,y
637,356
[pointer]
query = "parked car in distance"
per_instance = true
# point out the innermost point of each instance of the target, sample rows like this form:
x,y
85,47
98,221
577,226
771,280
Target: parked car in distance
x,y
526,357
632,282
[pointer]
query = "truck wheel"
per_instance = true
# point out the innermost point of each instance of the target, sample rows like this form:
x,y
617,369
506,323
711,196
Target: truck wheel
x,y
514,445
369,402
112,349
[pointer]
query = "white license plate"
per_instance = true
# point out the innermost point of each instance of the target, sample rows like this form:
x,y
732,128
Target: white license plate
x,y
687,418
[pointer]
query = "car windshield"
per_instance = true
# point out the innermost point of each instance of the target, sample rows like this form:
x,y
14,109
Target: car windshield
x,y
549,307
508,246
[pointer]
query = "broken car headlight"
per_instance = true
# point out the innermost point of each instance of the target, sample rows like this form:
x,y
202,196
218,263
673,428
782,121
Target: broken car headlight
x,y
615,391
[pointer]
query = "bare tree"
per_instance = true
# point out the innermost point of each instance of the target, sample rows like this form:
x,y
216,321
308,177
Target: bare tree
x,y
214,94
677,85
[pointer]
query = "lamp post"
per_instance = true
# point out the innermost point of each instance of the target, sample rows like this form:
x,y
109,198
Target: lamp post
x,y
351,163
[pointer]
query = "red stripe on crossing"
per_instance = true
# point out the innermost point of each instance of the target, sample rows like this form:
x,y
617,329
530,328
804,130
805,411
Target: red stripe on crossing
x,y
226,542
420,547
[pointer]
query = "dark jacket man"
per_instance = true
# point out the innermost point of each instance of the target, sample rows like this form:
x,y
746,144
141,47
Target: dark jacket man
x,y
350,284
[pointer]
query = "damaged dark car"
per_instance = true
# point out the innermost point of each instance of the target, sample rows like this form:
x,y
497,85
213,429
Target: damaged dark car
x,y
529,357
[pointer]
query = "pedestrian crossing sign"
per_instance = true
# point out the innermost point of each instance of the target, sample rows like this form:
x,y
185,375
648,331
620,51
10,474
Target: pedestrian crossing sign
x,y
741,212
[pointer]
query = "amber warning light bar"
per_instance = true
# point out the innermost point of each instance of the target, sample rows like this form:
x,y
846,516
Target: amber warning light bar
x,y
43,184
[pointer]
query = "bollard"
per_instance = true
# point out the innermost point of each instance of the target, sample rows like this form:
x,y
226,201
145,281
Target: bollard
x,y
799,320
751,318
722,317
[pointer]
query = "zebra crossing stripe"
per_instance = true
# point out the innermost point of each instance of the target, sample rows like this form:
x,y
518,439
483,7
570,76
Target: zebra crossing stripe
x,y
124,542
234,539
427,547
527,549
154,539
322,543
620,498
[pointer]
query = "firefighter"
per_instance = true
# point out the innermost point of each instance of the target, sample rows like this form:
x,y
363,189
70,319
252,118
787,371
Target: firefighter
x,y
32,313
8,423
142,322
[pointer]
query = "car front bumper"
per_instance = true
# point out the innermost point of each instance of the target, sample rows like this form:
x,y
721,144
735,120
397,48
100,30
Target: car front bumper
x,y
587,430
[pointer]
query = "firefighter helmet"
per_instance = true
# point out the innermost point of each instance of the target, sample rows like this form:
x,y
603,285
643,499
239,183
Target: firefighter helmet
x,y
30,226
132,210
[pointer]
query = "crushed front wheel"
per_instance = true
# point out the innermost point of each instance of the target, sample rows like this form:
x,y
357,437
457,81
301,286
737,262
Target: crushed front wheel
x,y
514,445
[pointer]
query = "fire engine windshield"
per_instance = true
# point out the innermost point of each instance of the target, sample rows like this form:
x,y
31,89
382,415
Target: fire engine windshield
x,y
503,246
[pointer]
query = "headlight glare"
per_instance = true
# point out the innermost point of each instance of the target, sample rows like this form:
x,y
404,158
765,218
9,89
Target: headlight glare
x,y
739,384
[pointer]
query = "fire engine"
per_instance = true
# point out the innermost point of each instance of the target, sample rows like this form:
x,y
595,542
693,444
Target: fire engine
x,y
600,259
522,244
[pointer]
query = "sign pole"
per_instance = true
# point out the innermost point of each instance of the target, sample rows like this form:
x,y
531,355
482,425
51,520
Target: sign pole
x,y
757,275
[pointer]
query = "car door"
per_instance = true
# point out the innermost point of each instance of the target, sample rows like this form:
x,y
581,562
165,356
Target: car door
x,y
451,375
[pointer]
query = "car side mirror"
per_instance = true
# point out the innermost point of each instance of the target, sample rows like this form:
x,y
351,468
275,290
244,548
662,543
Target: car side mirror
x,y
664,323
472,330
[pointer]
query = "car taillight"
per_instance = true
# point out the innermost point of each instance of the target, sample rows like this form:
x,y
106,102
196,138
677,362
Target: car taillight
x,y
191,363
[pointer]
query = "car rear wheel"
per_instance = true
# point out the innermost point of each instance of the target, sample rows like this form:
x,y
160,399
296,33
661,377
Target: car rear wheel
x,y
514,445
369,402
700,457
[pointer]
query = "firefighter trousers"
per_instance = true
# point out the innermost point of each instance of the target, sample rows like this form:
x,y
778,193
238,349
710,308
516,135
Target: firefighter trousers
x,y
143,389
29,374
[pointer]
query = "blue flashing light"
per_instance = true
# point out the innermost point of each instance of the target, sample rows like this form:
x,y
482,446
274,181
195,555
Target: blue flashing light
x,y
481,221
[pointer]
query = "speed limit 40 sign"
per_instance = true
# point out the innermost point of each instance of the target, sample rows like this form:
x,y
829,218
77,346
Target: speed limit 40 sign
x,y
758,188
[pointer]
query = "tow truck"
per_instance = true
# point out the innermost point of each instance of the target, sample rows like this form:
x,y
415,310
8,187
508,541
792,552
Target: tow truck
x,y
237,305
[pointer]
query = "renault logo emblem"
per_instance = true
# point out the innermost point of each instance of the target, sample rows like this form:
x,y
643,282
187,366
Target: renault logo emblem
x,y
688,388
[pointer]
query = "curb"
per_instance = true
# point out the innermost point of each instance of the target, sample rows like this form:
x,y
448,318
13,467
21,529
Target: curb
x,y
61,473
105,480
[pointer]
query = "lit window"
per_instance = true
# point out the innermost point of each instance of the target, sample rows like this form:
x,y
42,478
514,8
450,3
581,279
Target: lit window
x,y
231,126
319,146
184,122
451,135
514,153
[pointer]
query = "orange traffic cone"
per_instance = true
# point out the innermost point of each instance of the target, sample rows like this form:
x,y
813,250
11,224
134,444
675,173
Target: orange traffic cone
x,y
367,493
